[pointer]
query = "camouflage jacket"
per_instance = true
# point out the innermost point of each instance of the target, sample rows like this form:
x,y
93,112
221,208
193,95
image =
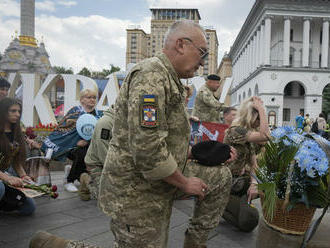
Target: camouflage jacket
x,y
236,137
150,140
102,134
207,107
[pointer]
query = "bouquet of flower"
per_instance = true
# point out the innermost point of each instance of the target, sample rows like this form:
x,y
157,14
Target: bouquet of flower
x,y
45,189
295,168
43,129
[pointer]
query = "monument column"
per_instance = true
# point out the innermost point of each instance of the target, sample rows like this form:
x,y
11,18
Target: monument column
x,y
27,23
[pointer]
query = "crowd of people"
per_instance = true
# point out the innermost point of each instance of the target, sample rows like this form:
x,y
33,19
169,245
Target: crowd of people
x,y
317,125
139,159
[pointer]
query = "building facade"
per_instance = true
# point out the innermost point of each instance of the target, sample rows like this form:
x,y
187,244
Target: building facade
x,y
225,72
141,45
282,55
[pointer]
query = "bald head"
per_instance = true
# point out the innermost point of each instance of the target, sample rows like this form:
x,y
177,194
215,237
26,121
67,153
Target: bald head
x,y
186,47
179,29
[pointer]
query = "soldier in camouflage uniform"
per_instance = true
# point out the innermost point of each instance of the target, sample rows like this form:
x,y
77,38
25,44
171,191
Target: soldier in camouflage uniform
x,y
95,157
149,150
207,107
150,142
248,131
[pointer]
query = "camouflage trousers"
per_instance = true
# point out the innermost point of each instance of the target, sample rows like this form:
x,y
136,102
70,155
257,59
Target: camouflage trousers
x,y
152,231
207,213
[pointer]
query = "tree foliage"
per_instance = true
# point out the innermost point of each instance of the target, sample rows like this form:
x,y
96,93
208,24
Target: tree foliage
x,y
99,74
85,72
62,70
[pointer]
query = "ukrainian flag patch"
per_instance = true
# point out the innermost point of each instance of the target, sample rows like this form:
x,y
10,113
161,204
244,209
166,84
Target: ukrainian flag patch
x,y
149,111
149,98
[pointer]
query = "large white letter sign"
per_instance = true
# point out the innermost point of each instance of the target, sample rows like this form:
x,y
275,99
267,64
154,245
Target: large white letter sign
x,y
72,89
35,101
13,79
109,94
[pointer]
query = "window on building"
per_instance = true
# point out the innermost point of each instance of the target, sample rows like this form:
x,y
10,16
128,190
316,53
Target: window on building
x,y
286,114
288,90
291,34
290,59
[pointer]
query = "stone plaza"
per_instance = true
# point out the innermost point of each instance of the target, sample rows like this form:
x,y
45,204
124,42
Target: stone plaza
x,y
69,217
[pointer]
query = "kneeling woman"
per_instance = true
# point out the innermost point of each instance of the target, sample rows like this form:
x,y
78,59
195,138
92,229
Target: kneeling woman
x,y
246,134
12,158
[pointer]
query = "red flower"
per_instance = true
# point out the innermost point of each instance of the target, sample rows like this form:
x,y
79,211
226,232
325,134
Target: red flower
x,y
54,188
54,195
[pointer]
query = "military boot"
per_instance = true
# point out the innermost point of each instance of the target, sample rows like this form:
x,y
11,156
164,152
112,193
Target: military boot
x,y
190,242
84,192
46,240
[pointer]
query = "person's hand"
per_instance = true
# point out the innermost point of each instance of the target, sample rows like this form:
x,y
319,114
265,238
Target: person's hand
x,y
252,192
27,179
195,186
233,155
258,104
15,181
194,118
33,144
82,143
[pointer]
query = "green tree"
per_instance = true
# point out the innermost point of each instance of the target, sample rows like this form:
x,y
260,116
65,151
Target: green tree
x,y
85,72
62,70
326,100
113,68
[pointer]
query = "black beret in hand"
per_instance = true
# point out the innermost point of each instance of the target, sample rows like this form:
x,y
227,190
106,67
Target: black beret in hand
x,y
213,77
211,153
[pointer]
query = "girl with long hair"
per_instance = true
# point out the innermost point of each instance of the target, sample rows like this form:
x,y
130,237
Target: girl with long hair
x,y
12,157
248,131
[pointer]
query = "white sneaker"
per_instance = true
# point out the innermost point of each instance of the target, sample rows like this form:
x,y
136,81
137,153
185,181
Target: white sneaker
x,y
67,169
70,187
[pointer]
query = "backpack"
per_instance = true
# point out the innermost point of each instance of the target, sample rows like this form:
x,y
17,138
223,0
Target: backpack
x,y
315,127
304,123
12,200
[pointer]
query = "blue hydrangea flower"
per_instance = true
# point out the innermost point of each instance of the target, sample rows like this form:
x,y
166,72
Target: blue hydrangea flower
x,y
278,133
310,156
296,138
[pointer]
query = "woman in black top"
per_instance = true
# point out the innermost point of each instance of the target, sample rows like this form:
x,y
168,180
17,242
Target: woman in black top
x,y
12,158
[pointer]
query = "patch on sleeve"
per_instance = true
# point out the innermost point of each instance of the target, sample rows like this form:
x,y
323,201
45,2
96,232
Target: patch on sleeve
x,y
105,134
149,111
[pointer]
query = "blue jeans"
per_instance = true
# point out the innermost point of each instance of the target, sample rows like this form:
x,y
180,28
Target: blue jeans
x,y
28,207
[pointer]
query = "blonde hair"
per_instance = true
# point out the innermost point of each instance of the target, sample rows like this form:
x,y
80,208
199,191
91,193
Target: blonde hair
x,y
246,115
87,92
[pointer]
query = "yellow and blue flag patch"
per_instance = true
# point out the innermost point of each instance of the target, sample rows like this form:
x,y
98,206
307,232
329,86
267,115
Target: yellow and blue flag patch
x,y
149,111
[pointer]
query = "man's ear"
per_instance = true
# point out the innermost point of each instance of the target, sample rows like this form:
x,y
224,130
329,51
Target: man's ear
x,y
179,46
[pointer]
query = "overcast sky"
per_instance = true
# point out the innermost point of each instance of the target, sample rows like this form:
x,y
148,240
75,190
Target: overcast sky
x,y
92,33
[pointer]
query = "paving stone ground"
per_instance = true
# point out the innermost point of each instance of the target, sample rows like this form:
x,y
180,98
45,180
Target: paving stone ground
x,y
71,218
